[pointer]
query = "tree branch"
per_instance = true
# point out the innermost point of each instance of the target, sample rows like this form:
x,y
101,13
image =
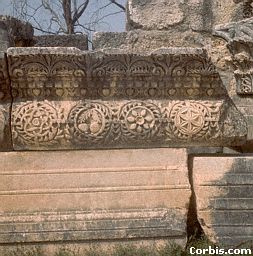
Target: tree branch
x,y
78,13
118,4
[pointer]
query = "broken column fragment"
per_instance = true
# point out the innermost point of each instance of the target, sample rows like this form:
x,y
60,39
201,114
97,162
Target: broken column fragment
x,y
68,99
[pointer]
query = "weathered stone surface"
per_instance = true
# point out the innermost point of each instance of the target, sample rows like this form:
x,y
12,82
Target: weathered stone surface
x,y
5,103
224,197
162,14
20,33
239,36
171,97
195,15
4,38
247,7
240,42
140,40
78,41
93,195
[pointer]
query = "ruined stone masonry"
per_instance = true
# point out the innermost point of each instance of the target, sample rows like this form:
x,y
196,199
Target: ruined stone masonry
x,y
127,142
69,99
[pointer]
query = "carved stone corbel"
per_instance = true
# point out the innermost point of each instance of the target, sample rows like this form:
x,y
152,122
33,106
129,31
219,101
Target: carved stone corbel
x,y
239,36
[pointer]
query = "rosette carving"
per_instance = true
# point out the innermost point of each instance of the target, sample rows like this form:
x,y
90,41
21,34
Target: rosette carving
x,y
140,120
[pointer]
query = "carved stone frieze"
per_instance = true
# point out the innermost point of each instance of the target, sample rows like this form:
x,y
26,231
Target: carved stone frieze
x,y
240,43
71,99
105,124
95,76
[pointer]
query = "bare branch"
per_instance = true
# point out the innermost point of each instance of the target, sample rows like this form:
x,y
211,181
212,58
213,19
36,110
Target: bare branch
x,y
80,11
118,4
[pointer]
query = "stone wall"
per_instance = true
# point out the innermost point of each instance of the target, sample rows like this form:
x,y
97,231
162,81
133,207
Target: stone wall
x,y
139,140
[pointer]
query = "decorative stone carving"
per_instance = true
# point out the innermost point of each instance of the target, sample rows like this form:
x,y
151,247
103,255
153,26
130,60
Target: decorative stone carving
x,y
239,36
35,122
240,42
170,97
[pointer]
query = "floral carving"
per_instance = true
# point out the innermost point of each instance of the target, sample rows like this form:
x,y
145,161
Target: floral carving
x,y
89,122
140,120
35,123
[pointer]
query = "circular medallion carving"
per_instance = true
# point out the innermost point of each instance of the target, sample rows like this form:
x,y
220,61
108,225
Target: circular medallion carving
x,y
89,122
140,120
189,119
35,122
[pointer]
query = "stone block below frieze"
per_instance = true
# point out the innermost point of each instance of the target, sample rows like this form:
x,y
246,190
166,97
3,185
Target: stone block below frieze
x,y
94,195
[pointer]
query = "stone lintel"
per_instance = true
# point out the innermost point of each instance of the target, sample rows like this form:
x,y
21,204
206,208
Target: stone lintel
x,y
166,98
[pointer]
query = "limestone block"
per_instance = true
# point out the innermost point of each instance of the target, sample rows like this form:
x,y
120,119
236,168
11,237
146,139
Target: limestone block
x,y
224,197
196,15
94,195
20,33
141,40
78,41
171,98
155,14
5,103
